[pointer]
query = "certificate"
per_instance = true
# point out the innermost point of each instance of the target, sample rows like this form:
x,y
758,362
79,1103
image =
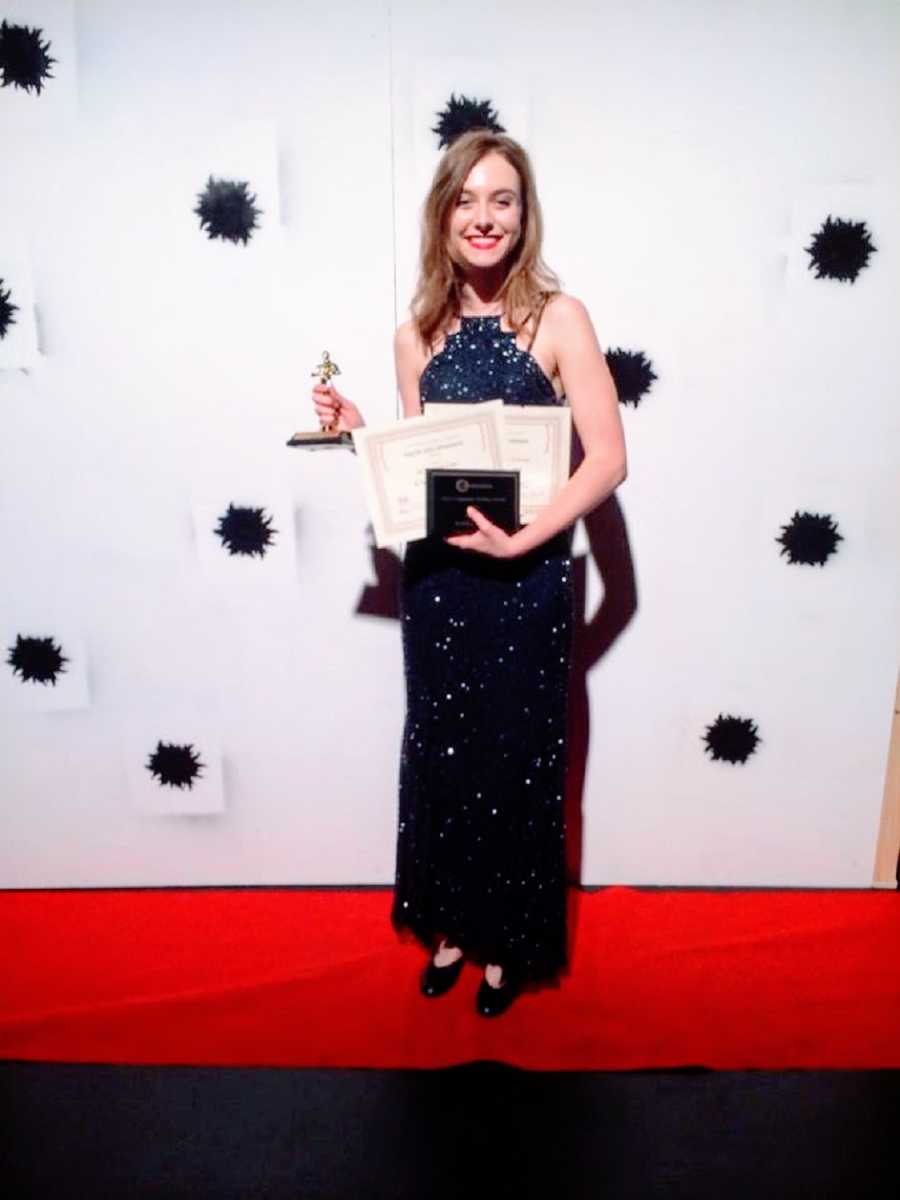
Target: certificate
x,y
394,460
537,442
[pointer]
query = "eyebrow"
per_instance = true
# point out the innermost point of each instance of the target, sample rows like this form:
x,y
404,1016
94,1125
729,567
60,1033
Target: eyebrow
x,y
497,192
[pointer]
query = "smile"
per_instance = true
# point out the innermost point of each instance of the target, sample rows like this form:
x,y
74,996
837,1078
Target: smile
x,y
485,243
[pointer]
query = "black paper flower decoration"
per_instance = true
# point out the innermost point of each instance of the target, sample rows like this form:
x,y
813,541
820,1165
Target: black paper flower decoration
x,y
632,374
37,660
840,249
174,766
245,530
6,311
459,116
227,210
24,61
810,538
733,739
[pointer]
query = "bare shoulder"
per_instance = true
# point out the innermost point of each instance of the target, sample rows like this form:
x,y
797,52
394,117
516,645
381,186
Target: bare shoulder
x,y
563,311
409,359
570,325
407,343
405,334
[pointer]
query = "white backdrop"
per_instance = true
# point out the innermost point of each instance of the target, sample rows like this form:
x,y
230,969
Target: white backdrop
x,y
686,153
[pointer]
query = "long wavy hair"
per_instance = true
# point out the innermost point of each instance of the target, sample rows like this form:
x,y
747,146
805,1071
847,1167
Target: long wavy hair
x,y
529,281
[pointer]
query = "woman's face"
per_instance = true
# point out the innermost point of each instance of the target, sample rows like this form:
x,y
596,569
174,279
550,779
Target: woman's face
x,y
486,221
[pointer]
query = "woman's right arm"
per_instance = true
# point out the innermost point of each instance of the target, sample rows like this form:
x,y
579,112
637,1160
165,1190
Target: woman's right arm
x,y
409,357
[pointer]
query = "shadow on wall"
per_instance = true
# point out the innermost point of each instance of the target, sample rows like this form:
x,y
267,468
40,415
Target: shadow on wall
x,y
608,541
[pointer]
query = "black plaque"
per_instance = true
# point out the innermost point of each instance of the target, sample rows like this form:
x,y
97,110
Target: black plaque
x,y
448,492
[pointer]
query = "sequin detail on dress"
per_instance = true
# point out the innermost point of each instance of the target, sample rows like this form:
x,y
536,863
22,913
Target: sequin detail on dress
x,y
482,361
487,644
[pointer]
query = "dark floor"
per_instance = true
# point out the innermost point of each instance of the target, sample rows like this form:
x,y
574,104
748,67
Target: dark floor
x,y
483,1129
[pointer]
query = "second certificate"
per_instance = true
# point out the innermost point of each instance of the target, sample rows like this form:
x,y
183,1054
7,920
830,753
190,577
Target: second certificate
x,y
394,461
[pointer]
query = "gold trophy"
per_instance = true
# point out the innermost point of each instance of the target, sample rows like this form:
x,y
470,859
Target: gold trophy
x,y
323,439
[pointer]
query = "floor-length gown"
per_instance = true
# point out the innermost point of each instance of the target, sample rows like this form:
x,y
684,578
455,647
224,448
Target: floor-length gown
x,y
486,642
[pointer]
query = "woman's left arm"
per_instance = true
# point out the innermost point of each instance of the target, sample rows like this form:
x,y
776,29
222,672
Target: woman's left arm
x,y
591,393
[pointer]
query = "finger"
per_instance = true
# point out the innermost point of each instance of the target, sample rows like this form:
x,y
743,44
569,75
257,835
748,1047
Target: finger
x,y
325,391
465,541
480,519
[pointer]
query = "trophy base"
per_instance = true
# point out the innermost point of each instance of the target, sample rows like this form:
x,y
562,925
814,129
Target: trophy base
x,y
322,439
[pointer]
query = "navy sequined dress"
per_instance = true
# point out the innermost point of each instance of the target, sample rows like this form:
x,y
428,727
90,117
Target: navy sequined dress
x,y
486,642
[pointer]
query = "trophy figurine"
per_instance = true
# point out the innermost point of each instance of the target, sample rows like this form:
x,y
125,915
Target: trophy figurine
x,y
323,439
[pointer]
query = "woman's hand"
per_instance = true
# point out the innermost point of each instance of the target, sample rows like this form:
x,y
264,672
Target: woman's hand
x,y
488,538
334,410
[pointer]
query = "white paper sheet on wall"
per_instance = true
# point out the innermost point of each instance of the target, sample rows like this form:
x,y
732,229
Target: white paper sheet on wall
x,y
276,530
159,750
55,107
48,671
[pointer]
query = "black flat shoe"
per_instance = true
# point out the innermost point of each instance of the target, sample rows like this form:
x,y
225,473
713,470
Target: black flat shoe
x,y
492,1001
437,980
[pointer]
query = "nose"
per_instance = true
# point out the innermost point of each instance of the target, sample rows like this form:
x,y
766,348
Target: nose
x,y
483,221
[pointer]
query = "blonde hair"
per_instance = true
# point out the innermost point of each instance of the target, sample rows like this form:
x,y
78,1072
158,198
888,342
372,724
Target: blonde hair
x,y
529,281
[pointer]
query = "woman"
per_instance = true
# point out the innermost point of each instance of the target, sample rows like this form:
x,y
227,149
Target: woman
x,y
487,616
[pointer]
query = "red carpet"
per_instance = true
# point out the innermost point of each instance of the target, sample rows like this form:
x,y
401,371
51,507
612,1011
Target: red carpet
x,y
318,978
